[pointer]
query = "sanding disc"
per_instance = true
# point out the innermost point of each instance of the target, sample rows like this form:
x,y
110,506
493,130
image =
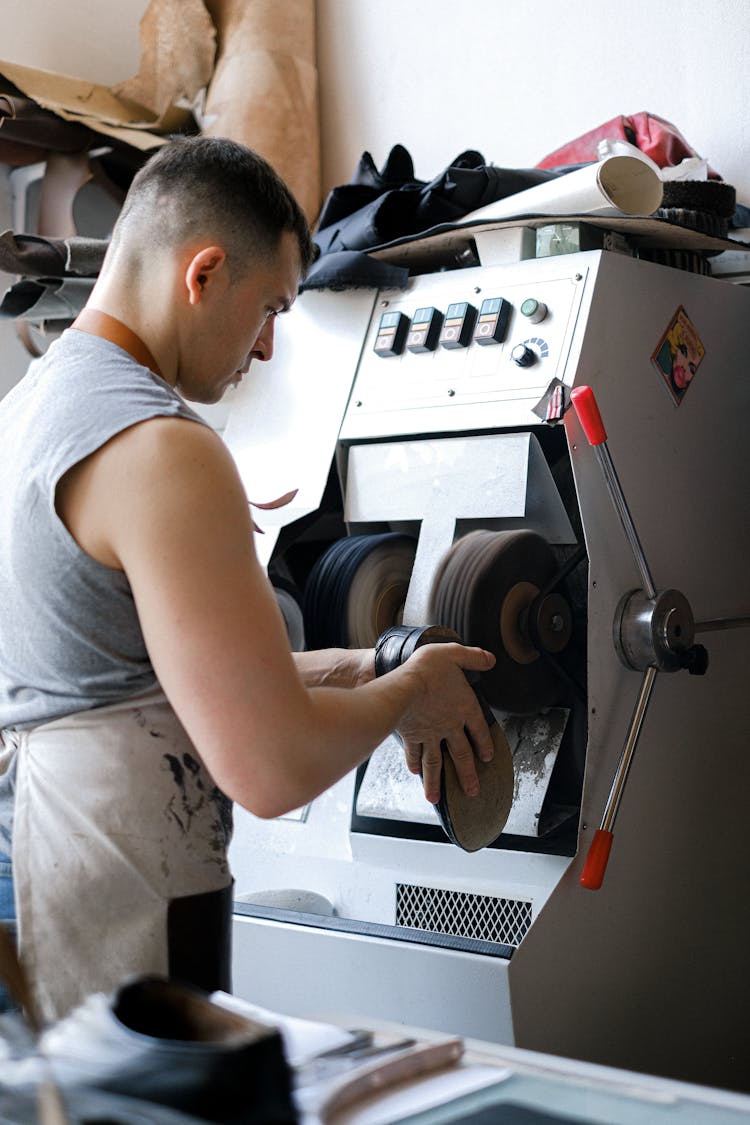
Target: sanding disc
x,y
469,822
484,589
474,822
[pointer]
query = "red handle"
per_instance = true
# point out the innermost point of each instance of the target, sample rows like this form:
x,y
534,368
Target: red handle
x,y
596,860
588,414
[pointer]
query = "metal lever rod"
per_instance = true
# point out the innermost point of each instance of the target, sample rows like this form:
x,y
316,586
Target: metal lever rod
x,y
588,414
592,874
598,854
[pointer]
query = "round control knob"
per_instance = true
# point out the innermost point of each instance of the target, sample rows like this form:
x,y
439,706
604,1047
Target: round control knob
x,y
534,310
523,355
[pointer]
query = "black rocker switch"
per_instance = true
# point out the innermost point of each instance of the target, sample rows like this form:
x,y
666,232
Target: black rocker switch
x,y
493,321
458,326
425,330
391,334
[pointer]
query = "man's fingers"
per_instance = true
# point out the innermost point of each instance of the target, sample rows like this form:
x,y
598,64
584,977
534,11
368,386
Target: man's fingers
x,y
432,764
462,755
480,737
413,755
475,659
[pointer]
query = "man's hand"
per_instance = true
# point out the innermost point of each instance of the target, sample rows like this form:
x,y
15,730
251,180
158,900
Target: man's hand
x,y
446,711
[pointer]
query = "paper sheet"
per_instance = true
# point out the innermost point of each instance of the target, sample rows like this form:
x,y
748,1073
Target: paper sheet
x,y
616,185
302,1038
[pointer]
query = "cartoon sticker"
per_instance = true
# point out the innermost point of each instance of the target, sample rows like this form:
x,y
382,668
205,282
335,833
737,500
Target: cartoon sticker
x,y
679,354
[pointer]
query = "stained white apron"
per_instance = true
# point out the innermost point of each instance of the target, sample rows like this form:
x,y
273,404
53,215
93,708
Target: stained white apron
x,y
115,817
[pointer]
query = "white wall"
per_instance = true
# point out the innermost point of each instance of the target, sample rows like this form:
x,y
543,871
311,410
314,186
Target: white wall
x,y
512,78
85,38
93,39
515,79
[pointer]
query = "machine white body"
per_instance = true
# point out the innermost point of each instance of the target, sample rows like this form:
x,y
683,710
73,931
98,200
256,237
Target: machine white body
x,y
648,973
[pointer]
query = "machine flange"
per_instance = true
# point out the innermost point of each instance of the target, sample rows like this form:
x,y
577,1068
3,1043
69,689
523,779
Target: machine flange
x,y
653,632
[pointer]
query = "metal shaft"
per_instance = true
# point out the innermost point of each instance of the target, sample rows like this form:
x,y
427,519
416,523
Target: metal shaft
x,y
623,766
721,623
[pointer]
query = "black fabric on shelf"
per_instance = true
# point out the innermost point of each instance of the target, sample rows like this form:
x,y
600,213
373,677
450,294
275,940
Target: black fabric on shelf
x,y
377,207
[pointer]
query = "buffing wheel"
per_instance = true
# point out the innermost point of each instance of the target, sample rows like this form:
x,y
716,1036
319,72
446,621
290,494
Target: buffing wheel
x,y
486,588
356,589
291,610
378,591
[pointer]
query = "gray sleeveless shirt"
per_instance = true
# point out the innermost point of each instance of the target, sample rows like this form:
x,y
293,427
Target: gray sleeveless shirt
x,y
69,633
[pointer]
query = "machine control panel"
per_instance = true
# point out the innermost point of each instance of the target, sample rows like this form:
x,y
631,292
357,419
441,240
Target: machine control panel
x,y
461,326
486,341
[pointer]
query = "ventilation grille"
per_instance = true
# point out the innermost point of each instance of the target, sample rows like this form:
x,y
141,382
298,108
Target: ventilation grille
x,y
503,920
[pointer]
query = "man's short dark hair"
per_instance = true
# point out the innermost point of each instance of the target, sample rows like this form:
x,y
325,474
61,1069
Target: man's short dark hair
x,y
195,187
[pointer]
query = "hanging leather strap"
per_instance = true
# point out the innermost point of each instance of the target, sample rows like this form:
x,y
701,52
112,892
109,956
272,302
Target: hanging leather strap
x,y
98,323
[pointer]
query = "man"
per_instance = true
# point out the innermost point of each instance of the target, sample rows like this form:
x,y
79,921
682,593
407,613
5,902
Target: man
x,y
145,675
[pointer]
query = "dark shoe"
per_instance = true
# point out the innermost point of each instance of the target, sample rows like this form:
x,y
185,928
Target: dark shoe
x,y
162,1042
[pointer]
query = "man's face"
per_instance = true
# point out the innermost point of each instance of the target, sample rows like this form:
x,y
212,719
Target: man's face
x,y
237,324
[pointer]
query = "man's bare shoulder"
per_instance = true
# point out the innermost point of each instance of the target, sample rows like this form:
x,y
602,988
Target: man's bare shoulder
x,y
151,472
166,440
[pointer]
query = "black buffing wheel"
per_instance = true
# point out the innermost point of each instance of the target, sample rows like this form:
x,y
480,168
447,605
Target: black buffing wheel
x,y
356,589
378,590
486,588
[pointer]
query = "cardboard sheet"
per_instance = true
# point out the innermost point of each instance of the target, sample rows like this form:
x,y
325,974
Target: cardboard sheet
x,y
429,250
243,69
264,90
178,46
178,50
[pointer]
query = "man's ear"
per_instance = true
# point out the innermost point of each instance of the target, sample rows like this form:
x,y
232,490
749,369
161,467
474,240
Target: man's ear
x,y
203,268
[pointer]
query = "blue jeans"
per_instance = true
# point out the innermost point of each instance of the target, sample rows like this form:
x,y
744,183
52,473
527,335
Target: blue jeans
x,y
7,917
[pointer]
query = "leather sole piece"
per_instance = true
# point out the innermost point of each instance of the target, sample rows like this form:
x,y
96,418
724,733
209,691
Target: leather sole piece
x,y
470,823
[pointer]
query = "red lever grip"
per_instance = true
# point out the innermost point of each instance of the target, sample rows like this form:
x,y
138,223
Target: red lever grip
x,y
592,875
588,414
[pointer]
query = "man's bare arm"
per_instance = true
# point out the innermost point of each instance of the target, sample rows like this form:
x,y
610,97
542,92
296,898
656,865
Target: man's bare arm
x,y
336,667
164,502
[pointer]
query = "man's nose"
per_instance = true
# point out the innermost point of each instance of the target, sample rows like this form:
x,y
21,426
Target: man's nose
x,y
264,344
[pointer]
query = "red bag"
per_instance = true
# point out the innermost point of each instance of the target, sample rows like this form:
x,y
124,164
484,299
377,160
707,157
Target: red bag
x,y
654,136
